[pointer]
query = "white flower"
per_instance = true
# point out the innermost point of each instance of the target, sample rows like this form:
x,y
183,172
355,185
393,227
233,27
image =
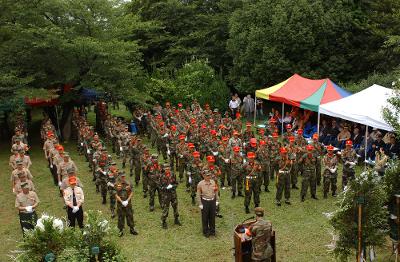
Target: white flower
x,y
58,224
328,215
39,224
331,246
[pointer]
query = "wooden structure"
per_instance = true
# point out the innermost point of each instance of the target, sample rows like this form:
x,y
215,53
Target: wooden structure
x,y
243,247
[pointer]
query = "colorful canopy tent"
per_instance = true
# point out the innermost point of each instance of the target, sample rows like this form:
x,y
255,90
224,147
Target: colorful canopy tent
x,y
303,92
364,107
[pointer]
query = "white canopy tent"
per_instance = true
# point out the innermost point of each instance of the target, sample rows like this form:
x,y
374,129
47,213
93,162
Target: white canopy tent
x,y
364,107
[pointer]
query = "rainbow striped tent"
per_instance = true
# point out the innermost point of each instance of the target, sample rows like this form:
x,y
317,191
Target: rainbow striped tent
x,y
303,92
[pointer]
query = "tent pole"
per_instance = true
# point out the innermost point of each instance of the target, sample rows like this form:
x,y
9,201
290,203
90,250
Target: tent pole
x,y
366,144
255,108
282,116
319,116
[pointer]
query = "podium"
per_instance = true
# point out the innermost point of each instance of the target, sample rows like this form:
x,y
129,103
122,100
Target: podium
x,y
243,246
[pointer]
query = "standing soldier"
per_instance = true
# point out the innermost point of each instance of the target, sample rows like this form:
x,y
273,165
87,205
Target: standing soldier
x,y
162,137
295,156
300,140
74,198
330,173
145,162
173,140
349,159
112,179
236,172
26,203
215,174
274,155
235,140
124,206
168,186
134,160
319,151
26,160
248,133
264,160
261,232
309,180
224,155
252,171
283,177
154,173
208,200
181,148
101,180
194,173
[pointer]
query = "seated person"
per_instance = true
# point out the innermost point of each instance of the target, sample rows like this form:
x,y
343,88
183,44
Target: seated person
x,y
393,149
356,137
375,146
343,136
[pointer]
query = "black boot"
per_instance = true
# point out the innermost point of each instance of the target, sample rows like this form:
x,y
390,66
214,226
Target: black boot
x,y
123,165
233,195
151,208
240,194
302,199
97,189
266,189
104,200
334,194
133,232
193,201
112,214
325,195
287,202
164,224
177,222
247,210
121,233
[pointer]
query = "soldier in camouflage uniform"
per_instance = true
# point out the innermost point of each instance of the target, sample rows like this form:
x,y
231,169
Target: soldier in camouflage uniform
x,y
349,159
124,206
248,133
252,173
123,142
154,174
134,160
294,155
194,172
162,140
181,149
308,161
264,159
274,155
236,172
172,142
112,179
283,177
223,161
145,163
261,233
319,151
168,186
330,172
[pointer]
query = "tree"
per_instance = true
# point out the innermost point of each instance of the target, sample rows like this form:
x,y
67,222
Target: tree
x,y
81,42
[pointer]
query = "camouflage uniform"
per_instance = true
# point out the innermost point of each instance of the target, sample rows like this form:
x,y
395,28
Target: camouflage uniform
x,y
349,159
223,162
252,171
308,161
181,149
236,174
194,173
261,232
283,179
154,173
124,190
264,160
330,178
168,186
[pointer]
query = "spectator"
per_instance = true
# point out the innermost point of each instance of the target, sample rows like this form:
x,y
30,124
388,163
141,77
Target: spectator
x,y
392,148
259,105
248,106
376,145
343,136
233,105
323,130
380,161
287,119
374,134
356,137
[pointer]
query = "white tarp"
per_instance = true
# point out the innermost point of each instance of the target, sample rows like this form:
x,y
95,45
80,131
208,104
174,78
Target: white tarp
x,y
364,107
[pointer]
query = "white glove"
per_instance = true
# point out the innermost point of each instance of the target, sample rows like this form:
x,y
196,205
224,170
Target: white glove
x,y
51,166
166,135
352,164
244,144
59,183
215,153
169,186
190,179
168,152
120,148
110,184
227,160
201,207
217,203
188,173
180,156
75,209
125,203
81,144
88,151
29,209
244,161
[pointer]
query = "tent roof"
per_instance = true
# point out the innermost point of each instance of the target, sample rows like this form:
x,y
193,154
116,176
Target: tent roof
x,y
364,107
303,92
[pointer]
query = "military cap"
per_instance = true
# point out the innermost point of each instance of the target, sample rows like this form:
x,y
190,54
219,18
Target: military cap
x,y
19,162
24,185
216,110
166,165
207,173
66,154
113,163
71,170
154,156
259,211
17,139
121,174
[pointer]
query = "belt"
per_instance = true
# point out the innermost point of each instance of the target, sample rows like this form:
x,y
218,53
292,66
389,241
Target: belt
x,y
250,177
283,172
208,199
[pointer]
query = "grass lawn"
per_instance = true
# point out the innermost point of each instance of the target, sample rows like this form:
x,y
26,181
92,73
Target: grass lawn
x,y
302,230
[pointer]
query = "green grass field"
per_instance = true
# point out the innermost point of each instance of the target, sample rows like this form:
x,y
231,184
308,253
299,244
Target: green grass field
x,y
302,230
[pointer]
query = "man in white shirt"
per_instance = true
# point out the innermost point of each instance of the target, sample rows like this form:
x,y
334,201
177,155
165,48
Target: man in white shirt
x,y
233,105
74,198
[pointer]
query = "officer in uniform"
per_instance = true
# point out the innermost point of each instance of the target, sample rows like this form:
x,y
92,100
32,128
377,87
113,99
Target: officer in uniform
x,y
308,161
283,177
261,232
26,203
208,200
252,171
123,197
168,186
236,172
154,175
349,159
330,172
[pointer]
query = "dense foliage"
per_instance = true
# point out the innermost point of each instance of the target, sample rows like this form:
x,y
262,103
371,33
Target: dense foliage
x,y
119,46
369,189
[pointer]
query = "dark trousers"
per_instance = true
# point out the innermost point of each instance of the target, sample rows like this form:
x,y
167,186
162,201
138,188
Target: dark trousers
x,y
27,221
78,216
208,216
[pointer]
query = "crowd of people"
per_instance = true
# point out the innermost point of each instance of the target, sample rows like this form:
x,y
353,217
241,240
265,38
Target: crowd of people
x,y
202,150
